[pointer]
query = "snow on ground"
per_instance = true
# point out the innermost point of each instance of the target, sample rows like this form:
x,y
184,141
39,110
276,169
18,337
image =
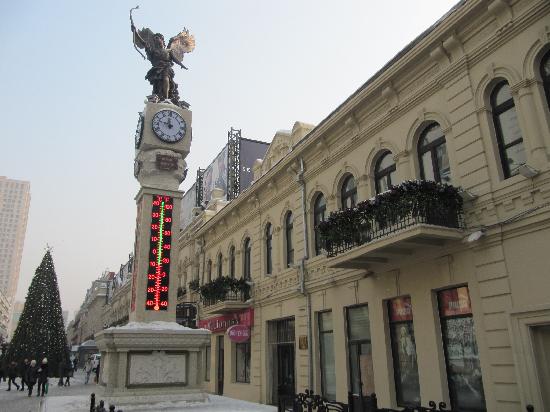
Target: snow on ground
x,y
214,403
157,325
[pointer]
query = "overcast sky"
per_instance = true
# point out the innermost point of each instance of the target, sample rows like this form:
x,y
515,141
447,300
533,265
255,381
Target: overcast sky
x,y
72,85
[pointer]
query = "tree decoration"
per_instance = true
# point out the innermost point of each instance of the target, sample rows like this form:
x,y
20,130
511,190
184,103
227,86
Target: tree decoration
x,y
40,332
411,202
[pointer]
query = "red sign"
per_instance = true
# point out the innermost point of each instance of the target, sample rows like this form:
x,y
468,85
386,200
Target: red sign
x,y
401,309
239,333
455,302
222,323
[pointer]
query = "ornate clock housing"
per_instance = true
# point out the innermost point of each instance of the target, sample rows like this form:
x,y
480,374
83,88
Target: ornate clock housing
x,y
169,126
139,130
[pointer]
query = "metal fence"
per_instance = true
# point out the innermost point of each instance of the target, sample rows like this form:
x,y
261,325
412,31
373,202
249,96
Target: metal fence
x,y
240,296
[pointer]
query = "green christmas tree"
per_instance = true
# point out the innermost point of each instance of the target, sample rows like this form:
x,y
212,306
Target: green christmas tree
x,y
40,333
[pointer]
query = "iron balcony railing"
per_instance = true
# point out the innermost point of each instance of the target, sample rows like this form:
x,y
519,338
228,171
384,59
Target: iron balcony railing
x,y
239,296
401,207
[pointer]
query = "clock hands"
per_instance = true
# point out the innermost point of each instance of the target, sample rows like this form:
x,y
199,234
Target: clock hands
x,y
169,123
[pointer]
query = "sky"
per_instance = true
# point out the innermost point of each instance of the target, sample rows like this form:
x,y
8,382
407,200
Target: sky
x,y
71,87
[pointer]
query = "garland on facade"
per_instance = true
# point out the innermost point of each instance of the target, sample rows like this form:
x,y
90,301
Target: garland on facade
x,y
410,199
218,288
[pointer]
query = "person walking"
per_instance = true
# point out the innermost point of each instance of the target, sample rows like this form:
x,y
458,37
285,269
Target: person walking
x,y
61,372
31,376
75,364
68,373
97,370
88,369
12,374
23,373
42,377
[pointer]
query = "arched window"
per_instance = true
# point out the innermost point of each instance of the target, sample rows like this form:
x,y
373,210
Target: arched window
x,y
384,172
348,193
247,269
545,74
209,270
232,261
319,210
268,248
220,265
432,155
289,228
509,138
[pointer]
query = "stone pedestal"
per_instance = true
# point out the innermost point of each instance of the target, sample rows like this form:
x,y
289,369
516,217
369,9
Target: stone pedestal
x,y
144,360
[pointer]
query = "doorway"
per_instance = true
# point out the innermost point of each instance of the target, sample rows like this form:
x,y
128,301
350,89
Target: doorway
x,y
220,374
282,354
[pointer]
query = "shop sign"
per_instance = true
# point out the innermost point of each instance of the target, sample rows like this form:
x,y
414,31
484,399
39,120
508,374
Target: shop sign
x,y
455,302
239,333
222,323
401,309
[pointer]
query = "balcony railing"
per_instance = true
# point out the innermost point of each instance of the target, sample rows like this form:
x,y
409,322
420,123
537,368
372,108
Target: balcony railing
x,y
409,204
239,296
224,289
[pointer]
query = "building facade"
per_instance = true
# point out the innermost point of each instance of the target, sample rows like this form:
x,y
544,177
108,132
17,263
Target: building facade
x,y
15,200
425,292
4,317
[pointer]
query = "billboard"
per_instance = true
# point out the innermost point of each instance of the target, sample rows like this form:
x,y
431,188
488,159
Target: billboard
x,y
215,176
187,205
250,151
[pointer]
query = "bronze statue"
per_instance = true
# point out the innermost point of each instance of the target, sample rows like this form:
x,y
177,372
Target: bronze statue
x,y
162,58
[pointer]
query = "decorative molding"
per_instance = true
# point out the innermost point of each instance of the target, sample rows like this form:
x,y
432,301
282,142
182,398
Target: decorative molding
x,y
390,95
502,11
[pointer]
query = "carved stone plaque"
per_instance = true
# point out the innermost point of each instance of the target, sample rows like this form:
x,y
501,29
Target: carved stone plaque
x,y
167,162
157,368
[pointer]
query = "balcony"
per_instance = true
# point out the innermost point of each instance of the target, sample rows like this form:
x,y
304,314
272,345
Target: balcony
x,y
224,295
407,220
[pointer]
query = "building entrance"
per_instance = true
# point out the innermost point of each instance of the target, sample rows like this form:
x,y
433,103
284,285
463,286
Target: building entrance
x,y
220,366
282,364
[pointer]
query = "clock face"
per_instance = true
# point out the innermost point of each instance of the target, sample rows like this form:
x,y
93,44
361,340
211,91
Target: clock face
x,y
169,126
139,130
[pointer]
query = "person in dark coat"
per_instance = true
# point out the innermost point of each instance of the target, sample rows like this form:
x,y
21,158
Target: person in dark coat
x,y
60,372
75,364
12,374
42,377
97,371
23,372
68,373
31,376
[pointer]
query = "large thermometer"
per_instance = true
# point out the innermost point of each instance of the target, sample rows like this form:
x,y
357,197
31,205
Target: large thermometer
x,y
160,243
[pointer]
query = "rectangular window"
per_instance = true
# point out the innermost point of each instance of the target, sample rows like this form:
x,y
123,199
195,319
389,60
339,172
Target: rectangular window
x,y
405,366
461,354
360,350
242,362
326,351
207,363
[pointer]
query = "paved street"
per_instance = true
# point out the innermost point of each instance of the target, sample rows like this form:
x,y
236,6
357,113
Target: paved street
x,y
15,401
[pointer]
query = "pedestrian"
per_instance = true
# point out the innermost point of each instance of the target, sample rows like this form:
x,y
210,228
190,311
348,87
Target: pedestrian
x,y
97,371
68,373
88,369
23,373
60,372
43,378
12,374
75,364
31,376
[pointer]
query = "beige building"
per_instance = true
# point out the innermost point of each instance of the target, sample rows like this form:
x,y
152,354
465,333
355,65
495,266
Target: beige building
x,y
17,310
15,199
413,297
4,317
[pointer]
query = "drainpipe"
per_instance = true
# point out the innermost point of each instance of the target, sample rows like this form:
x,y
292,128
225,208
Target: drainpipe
x,y
302,182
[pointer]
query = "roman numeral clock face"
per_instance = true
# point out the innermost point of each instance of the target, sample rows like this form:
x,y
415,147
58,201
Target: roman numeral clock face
x,y
169,126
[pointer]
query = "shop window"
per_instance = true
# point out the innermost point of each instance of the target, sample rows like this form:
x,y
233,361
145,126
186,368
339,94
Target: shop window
x,y
269,249
326,352
360,351
220,265
405,366
207,363
289,231
348,193
232,261
509,138
319,210
242,362
384,172
461,353
247,269
545,74
432,155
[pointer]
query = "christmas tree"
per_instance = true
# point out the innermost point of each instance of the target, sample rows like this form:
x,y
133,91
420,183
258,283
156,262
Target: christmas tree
x,y
40,333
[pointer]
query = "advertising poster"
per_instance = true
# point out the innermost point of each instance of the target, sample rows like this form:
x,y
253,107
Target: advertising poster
x,y
187,205
215,176
250,151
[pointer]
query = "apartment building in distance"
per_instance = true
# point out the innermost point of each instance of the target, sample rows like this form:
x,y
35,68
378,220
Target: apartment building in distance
x,y
400,246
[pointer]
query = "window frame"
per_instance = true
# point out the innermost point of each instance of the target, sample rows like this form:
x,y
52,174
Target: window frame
x,y
232,261
383,173
247,259
289,243
346,193
317,211
496,111
247,359
219,261
432,149
209,270
354,345
545,77
321,349
269,248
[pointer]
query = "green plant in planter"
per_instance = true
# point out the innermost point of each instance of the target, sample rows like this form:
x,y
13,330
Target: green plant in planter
x,y
218,288
194,285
